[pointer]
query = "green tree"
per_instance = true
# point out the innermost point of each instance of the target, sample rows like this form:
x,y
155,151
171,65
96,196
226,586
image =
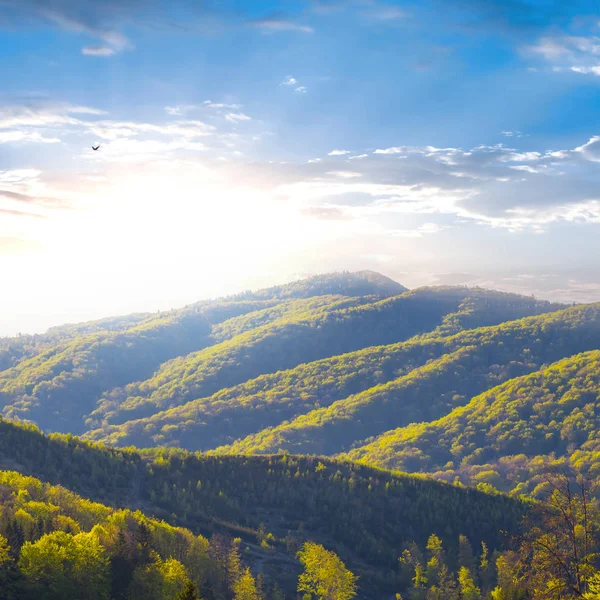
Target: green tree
x,y
189,592
159,580
59,566
245,587
558,552
466,585
325,576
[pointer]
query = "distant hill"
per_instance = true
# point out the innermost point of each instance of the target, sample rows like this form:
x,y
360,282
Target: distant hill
x,y
359,283
304,337
452,371
508,436
94,376
326,406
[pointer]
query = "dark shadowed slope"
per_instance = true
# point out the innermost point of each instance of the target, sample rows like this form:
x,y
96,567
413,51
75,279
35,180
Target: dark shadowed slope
x,y
293,497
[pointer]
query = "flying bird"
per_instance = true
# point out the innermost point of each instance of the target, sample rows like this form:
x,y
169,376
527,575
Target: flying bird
x,y
96,147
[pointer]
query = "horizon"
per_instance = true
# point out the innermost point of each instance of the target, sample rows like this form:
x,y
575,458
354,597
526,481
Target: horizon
x,y
508,289
246,144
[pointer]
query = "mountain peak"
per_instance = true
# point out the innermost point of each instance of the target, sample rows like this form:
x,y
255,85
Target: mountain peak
x,y
345,283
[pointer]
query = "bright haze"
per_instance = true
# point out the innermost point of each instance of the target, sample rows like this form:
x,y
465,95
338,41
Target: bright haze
x,y
245,144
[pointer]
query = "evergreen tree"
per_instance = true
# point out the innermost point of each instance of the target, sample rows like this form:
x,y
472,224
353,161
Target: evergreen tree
x,y
245,587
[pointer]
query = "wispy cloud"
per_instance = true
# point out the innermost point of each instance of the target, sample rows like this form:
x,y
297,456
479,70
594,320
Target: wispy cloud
x,y
492,185
273,25
565,53
25,136
177,110
237,117
339,153
293,82
97,51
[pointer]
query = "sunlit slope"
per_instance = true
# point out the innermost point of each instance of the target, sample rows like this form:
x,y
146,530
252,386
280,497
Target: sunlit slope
x,y
328,331
468,364
507,436
57,378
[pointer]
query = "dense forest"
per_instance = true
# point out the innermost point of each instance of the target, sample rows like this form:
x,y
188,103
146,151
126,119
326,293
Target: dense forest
x,y
225,447
294,499
80,378
508,436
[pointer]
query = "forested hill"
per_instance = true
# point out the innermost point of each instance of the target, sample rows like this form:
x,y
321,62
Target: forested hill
x,y
327,406
91,376
292,498
509,436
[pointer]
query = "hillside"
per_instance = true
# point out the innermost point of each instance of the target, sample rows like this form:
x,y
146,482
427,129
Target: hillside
x,y
83,377
56,379
362,283
294,498
508,436
326,406
337,328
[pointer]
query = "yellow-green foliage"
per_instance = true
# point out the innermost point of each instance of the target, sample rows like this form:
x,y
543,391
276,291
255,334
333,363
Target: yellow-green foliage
x,y
508,436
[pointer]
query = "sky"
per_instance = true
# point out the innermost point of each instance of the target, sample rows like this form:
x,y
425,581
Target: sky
x,y
249,143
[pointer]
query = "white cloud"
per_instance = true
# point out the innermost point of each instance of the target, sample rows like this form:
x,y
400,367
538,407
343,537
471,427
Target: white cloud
x,y
393,150
590,150
276,25
97,51
25,136
525,168
292,81
358,157
237,117
587,70
570,53
385,13
209,104
481,184
339,152
344,174
522,156
418,232
179,110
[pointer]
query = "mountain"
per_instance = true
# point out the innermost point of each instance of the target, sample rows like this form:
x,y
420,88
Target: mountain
x,y
327,406
360,283
507,437
293,498
334,329
105,373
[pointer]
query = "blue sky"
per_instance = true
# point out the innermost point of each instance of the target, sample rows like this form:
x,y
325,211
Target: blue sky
x,y
248,143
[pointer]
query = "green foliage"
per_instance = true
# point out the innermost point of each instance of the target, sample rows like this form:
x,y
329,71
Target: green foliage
x,y
272,399
113,554
288,494
509,435
325,576
59,565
